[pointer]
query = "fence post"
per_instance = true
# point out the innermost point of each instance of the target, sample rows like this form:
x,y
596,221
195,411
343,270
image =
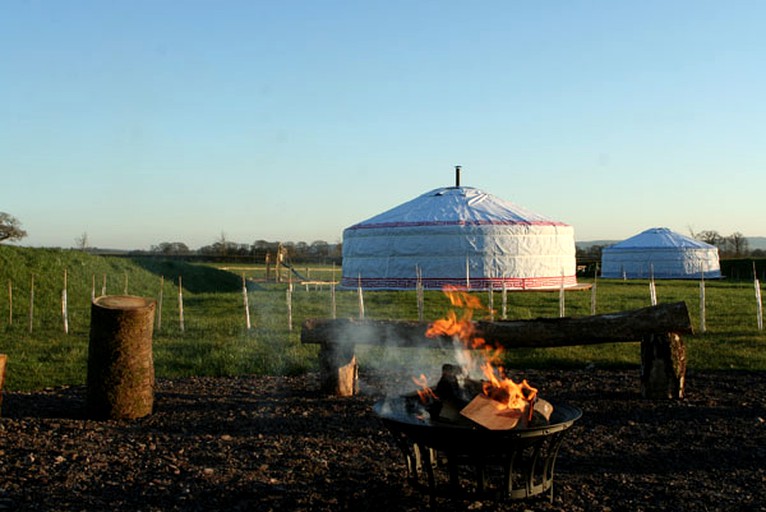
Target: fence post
x,y
159,303
10,302
64,311
181,303
31,303
244,298
3,359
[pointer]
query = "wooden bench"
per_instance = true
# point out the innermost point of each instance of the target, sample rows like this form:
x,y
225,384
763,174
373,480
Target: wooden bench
x,y
658,328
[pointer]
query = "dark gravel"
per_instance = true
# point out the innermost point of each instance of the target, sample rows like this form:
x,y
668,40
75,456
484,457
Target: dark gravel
x,y
274,443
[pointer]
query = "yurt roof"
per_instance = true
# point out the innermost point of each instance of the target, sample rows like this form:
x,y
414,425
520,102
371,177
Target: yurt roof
x,y
659,238
455,206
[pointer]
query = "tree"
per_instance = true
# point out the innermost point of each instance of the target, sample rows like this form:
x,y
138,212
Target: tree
x,y
738,243
735,244
10,228
171,248
709,237
319,248
81,242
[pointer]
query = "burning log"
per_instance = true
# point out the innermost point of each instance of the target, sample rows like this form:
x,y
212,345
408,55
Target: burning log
x,y
455,387
453,392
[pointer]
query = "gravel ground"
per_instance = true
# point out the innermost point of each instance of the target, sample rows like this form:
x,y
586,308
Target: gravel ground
x,y
274,443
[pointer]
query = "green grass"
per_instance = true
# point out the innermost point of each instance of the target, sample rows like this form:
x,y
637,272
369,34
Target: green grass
x,y
215,340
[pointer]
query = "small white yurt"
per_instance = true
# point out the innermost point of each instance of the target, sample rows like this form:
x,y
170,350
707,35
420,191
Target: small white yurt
x,y
458,236
661,253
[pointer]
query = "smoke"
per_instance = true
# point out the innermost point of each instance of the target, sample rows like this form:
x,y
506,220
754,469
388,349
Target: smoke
x,y
389,368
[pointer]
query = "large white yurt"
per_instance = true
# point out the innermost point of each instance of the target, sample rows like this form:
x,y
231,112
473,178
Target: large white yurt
x,y
661,253
459,236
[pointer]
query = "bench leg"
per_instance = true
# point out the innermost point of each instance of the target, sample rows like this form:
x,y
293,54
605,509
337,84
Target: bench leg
x,y
663,366
338,369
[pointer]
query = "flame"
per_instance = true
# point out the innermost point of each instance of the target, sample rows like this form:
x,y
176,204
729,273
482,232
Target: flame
x,y
509,395
461,328
425,393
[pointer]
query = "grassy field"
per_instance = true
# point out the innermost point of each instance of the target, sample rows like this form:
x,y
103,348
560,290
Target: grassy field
x,y
215,339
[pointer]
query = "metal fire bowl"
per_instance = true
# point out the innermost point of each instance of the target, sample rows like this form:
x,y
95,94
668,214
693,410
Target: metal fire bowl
x,y
469,440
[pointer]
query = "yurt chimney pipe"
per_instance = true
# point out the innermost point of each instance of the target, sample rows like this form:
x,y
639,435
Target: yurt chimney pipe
x,y
457,176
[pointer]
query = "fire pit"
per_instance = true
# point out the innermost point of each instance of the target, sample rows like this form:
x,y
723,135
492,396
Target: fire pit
x,y
443,458
477,424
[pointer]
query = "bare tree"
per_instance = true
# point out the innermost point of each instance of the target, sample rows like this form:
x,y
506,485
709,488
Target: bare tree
x,y
10,228
81,242
738,243
735,244
709,237
222,244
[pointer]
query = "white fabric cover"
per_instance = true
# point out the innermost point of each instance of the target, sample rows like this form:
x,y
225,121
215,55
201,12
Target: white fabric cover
x,y
447,230
662,253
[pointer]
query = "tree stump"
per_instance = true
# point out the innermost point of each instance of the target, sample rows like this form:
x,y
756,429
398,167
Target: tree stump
x,y
3,360
120,362
663,366
338,369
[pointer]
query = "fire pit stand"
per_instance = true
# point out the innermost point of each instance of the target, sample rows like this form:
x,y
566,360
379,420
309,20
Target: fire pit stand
x,y
449,460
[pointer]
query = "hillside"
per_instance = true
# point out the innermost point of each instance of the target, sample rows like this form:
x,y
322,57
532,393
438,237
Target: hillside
x,y
87,273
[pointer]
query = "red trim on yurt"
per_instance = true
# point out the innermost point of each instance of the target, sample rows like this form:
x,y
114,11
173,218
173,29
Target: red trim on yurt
x,y
478,283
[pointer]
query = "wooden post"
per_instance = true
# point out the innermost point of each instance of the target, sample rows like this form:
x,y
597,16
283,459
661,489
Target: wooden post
x,y
504,316
120,381
159,303
593,291
360,297
3,359
289,301
758,301
333,301
663,366
180,303
562,298
10,302
278,263
244,298
31,303
338,369
419,292
64,306
703,312
467,274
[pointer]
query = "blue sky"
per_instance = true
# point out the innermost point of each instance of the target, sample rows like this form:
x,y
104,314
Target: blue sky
x,y
145,121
